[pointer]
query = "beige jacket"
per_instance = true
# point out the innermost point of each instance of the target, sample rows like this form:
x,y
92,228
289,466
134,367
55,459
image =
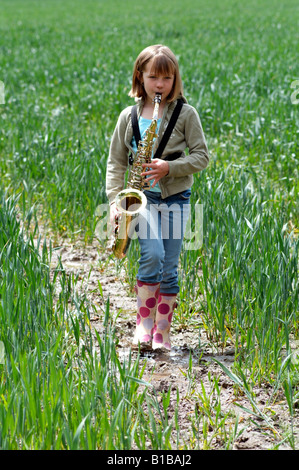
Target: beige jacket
x,y
187,133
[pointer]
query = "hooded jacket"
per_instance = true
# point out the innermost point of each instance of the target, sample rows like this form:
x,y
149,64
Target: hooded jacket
x,y
187,134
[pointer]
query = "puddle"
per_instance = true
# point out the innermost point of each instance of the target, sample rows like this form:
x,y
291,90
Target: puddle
x,y
179,357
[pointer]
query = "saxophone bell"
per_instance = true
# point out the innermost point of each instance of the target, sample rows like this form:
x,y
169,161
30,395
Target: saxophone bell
x,y
129,202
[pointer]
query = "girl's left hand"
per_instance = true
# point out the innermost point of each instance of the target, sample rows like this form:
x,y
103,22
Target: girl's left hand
x,y
158,169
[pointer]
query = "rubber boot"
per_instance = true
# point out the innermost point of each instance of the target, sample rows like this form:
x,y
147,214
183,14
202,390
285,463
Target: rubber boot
x,y
147,296
164,314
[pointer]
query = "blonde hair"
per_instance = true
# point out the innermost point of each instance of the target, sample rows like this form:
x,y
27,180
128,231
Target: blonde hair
x,y
164,63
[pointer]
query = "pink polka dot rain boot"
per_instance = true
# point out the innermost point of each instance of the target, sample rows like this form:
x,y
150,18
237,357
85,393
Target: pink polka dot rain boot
x,y
147,296
166,305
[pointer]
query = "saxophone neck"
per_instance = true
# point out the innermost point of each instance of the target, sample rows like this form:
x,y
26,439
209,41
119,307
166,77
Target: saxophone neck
x,y
157,101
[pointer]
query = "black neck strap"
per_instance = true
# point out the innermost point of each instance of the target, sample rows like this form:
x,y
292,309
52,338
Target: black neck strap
x,y
167,132
135,125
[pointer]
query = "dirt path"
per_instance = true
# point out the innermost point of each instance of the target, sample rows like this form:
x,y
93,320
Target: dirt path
x,y
98,280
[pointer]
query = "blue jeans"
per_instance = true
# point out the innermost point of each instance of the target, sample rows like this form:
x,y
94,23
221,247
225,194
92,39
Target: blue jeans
x,y
160,229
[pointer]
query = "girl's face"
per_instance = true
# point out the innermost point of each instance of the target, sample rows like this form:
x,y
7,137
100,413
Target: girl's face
x,y
156,83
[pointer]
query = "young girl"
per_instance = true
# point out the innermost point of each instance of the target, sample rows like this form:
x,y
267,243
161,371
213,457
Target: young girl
x,y
161,225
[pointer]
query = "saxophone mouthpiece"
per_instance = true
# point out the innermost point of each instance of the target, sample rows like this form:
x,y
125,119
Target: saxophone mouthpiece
x,y
158,98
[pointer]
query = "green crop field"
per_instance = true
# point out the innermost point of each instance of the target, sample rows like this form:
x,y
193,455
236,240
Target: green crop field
x,y
65,71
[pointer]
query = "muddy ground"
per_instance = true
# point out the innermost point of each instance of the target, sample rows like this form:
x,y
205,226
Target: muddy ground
x,y
93,265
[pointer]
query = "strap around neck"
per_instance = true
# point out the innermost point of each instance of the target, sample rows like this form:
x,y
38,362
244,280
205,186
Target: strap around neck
x,y
167,133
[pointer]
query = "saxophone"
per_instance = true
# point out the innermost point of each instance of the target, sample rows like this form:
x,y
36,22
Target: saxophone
x,y
131,200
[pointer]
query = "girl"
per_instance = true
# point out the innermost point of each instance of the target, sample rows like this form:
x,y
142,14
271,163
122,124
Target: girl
x,y
161,225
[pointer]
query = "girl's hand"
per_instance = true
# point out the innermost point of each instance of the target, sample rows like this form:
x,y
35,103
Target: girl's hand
x,y
158,169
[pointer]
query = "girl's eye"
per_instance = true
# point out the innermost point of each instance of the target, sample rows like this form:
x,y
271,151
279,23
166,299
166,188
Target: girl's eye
x,y
153,77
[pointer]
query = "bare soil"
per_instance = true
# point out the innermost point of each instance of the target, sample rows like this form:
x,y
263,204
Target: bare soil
x,y
99,279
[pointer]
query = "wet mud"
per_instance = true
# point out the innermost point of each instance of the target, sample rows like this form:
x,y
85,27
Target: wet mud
x,y
187,370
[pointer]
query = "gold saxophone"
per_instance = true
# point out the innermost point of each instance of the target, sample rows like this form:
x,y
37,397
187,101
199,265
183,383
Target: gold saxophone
x,y
132,200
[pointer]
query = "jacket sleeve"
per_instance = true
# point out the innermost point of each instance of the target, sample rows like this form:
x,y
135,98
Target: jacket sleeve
x,y
198,157
117,162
